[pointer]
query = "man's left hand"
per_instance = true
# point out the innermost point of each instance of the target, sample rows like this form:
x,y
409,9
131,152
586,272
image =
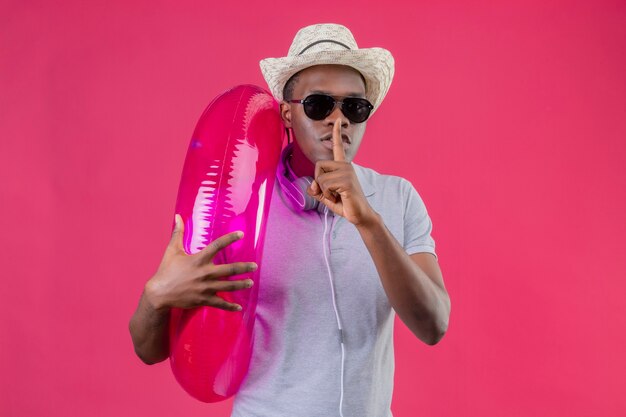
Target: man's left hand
x,y
337,186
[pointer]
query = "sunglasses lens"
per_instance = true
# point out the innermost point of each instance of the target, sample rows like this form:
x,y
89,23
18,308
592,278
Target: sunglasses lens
x,y
356,109
318,106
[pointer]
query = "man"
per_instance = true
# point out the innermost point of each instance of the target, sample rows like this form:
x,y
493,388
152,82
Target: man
x,y
362,251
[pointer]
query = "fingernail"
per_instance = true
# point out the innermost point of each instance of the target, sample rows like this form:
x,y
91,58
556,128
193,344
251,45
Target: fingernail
x,y
250,283
238,308
254,267
240,234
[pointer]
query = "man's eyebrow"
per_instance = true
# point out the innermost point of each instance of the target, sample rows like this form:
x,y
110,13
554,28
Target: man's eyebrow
x,y
351,94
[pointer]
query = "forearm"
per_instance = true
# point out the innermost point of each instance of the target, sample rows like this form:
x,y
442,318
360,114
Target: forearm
x,y
420,303
149,330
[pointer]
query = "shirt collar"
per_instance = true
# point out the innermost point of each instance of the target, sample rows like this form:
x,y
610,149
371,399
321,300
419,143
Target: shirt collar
x,y
364,180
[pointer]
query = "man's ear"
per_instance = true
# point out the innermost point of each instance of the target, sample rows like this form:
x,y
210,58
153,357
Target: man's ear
x,y
285,114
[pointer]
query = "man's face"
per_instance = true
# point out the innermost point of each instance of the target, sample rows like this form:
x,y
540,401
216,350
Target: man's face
x,y
313,141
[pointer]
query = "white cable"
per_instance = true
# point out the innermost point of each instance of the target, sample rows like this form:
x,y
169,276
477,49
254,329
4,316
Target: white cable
x,y
332,290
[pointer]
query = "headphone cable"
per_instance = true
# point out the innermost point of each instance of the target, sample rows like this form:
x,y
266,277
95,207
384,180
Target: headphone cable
x,y
332,290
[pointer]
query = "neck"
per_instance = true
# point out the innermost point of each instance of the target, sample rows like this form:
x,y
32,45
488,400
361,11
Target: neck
x,y
300,164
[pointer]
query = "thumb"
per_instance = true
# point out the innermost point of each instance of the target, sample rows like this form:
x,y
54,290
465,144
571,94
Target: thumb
x,y
313,189
177,234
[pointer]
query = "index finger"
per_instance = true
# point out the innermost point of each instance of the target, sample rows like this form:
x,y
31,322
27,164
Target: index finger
x,y
338,153
220,243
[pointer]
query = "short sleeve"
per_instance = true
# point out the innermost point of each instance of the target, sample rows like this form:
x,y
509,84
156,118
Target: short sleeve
x,y
417,223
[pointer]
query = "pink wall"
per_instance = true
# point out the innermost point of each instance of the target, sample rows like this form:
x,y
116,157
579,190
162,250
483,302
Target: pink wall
x,y
509,119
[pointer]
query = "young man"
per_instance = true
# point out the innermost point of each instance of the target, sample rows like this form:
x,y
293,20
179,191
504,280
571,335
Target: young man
x,y
359,250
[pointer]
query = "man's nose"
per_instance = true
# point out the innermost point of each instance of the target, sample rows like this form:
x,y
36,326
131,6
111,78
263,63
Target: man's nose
x,y
337,114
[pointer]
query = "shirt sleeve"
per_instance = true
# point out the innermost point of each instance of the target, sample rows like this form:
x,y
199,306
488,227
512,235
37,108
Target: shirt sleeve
x,y
417,223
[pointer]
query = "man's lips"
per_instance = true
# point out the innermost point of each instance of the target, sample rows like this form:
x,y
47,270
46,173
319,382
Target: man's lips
x,y
345,138
327,142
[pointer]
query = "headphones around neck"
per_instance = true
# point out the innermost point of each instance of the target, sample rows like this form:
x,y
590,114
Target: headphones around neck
x,y
294,188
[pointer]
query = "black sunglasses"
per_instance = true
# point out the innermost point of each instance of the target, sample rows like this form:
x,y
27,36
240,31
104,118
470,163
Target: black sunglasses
x,y
319,106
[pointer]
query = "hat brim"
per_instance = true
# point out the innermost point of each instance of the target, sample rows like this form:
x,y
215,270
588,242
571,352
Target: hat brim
x,y
375,64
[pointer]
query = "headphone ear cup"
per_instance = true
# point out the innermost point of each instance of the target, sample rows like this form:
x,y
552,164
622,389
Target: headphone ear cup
x,y
295,193
310,203
294,188
302,184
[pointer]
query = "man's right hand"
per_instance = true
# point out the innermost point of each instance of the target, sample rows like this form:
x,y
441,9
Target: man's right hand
x,y
188,281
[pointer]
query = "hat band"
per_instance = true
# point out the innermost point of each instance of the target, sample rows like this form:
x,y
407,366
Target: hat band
x,y
323,40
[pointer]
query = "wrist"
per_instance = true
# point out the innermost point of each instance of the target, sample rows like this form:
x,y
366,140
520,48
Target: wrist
x,y
369,221
154,298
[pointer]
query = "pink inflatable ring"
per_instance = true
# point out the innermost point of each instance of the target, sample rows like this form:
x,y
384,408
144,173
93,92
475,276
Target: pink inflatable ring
x,y
226,185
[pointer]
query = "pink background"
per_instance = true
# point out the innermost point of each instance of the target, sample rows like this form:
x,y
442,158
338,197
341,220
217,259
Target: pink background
x,y
509,119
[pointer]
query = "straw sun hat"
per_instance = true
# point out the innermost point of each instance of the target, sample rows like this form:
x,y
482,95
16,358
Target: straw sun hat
x,y
331,44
